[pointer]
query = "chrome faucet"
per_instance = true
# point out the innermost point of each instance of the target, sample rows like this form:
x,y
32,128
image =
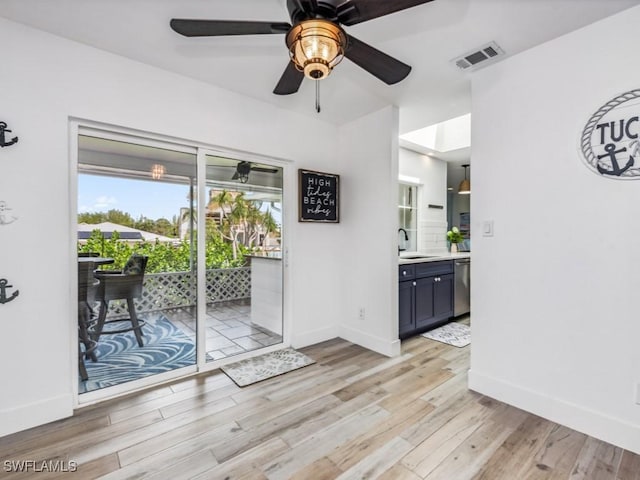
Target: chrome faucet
x,y
406,239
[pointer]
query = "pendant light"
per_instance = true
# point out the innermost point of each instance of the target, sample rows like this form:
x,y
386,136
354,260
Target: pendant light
x,y
465,185
158,171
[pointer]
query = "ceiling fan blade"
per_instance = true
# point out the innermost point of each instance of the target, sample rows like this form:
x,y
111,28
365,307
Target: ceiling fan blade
x,y
352,12
289,81
264,169
378,64
214,28
235,176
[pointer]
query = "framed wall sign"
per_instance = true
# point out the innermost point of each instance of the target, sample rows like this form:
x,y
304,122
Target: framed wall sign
x,y
610,141
318,197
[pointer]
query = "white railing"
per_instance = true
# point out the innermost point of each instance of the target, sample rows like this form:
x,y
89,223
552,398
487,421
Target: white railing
x,y
162,291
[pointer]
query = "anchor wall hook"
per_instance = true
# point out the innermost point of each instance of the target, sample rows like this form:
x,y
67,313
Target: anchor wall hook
x,y
616,170
3,291
3,141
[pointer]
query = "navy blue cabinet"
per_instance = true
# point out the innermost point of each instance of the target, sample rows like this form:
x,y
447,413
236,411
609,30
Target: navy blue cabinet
x,y
425,296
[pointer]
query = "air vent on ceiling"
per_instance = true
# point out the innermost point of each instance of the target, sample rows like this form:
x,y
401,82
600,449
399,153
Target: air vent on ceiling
x,y
478,55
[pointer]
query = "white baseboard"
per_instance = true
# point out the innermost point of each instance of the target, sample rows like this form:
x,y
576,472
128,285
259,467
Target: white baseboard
x,y
596,424
390,348
313,337
34,414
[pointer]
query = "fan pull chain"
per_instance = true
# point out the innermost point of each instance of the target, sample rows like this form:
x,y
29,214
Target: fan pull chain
x,y
317,96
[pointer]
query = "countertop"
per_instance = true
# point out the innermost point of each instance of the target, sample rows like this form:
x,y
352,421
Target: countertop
x,y
430,257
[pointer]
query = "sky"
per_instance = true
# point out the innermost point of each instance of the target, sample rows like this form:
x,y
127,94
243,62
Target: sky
x,y
154,200
148,198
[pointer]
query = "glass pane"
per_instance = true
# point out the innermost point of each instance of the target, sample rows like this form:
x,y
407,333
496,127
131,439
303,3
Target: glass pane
x,y
412,244
410,219
412,199
135,211
243,248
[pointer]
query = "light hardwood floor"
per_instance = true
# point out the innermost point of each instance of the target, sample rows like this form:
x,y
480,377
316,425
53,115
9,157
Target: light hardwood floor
x,y
353,414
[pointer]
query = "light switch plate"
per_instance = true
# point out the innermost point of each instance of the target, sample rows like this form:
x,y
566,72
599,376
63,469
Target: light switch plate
x,y
638,393
487,228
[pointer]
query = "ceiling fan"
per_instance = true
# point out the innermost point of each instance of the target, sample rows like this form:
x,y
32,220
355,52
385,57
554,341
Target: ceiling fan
x,y
243,168
315,38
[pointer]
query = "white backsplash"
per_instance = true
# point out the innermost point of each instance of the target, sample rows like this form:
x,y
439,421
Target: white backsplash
x,y
432,236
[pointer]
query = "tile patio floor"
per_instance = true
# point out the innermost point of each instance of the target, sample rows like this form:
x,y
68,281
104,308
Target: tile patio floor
x,y
229,330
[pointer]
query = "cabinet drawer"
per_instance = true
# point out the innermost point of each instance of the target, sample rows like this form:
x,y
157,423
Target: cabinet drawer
x,y
406,272
429,269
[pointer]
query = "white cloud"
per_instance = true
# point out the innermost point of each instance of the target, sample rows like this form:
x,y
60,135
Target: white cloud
x,y
101,203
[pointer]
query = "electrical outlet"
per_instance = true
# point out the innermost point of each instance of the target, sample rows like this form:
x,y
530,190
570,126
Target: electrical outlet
x,y
361,313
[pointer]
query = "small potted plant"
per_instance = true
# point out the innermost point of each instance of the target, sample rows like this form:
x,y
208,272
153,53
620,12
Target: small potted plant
x,y
455,237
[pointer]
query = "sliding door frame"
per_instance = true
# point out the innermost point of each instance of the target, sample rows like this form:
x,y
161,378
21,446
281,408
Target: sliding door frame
x,y
79,126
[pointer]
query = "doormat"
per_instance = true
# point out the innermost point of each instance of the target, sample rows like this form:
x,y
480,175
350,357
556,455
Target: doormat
x,y
454,333
262,367
121,360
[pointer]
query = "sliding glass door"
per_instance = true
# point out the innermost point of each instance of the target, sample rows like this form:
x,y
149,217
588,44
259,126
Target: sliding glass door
x,y
243,215
136,203
164,287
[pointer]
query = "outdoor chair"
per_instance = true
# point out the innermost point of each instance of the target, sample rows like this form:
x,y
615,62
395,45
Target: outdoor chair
x,y
87,288
121,285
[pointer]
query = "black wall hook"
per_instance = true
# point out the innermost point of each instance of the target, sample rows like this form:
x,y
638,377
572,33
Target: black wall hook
x,y
3,142
3,291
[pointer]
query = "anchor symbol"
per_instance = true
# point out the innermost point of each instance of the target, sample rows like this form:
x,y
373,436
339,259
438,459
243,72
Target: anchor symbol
x,y
3,291
610,148
3,129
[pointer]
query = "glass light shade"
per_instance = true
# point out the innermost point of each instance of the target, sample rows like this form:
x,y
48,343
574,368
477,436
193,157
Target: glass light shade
x,y
316,46
158,171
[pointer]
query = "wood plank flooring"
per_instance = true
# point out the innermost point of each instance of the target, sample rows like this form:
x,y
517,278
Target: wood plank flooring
x,y
352,415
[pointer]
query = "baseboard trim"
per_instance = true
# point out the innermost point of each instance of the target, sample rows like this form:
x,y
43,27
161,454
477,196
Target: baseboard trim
x,y
389,348
34,414
596,424
313,337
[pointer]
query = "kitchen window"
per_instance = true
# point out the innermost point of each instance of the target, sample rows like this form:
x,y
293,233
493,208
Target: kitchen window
x,y
408,216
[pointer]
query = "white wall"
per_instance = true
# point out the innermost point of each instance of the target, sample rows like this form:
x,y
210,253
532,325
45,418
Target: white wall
x,y
555,312
46,80
432,175
370,261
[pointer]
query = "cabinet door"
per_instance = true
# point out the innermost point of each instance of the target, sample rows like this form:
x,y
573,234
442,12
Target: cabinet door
x,y
443,297
406,301
424,301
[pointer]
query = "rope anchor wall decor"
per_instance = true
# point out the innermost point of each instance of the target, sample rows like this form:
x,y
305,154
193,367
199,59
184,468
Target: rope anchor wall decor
x,y
3,141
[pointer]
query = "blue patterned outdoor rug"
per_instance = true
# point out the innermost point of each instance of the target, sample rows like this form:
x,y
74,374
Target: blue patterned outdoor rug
x,y
256,369
121,360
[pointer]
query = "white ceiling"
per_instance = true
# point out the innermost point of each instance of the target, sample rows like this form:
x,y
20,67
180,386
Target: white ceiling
x,y
427,37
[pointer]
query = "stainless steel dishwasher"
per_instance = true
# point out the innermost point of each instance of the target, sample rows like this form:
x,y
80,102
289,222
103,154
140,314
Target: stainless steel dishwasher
x,y
462,284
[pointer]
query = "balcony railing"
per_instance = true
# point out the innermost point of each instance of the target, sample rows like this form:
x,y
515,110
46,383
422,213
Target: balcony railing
x,y
162,291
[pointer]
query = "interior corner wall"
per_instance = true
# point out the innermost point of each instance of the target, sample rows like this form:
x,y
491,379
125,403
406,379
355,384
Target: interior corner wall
x,y
555,313
369,195
45,81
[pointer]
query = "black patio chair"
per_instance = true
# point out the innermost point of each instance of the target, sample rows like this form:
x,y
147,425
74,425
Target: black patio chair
x,y
121,285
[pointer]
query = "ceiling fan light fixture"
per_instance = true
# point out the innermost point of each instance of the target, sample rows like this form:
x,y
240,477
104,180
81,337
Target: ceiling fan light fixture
x,y
242,171
316,46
